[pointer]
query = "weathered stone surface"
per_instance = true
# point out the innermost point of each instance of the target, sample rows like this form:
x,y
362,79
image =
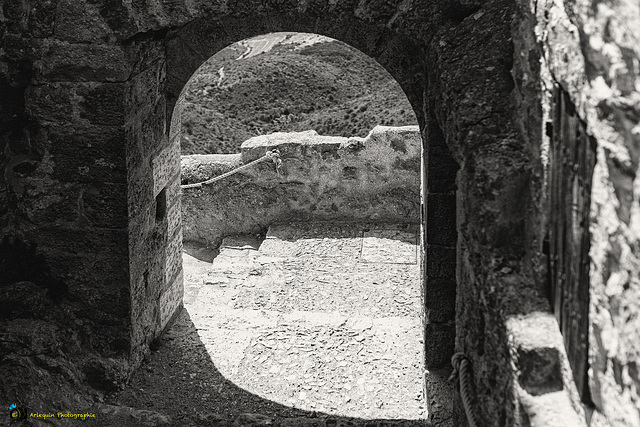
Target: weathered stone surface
x,y
442,215
203,167
544,373
439,343
590,48
440,262
126,416
440,299
50,103
73,103
62,61
483,70
70,147
441,397
166,167
80,22
313,183
552,409
102,104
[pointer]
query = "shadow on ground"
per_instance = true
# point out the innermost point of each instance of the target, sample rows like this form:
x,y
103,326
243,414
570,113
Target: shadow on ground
x,y
180,385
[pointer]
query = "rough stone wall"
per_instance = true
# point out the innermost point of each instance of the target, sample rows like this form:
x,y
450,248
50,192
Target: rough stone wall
x,y
64,184
153,162
370,179
472,70
472,105
590,50
469,87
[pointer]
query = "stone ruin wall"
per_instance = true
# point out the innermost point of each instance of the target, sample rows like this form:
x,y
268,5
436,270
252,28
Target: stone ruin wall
x,y
88,92
372,179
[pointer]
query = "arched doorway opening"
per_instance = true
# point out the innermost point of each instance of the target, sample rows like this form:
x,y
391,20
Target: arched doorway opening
x,y
324,315
184,50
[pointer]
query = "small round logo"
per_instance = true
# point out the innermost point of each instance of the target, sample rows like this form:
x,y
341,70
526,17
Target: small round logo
x,y
16,413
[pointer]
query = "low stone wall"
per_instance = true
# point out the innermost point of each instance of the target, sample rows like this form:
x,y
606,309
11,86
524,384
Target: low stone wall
x,y
376,178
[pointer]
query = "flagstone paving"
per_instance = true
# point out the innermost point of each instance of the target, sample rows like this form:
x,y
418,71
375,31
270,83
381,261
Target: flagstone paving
x,y
318,322
321,317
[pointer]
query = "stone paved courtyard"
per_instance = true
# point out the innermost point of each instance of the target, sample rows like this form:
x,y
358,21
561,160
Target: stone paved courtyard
x,y
324,318
317,325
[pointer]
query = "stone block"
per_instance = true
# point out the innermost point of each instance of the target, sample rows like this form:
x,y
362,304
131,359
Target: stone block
x,y
406,141
441,220
441,396
440,300
170,301
166,167
291,145
112,243
15,9
41,18
550,410
146,132
18,48
102,103
441,262
49,203
98,204
441,170
62,61
154,128
50,102
146,54
80,21
88,153
540,370
144,88
173,256
439,343
200,167
140,192
174,216
104,205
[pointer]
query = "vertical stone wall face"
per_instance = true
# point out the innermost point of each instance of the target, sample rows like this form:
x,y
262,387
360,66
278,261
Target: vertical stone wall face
x,y
440,247
64,184
590,50
155,234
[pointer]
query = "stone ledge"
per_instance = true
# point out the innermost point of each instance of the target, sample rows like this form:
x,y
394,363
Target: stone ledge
x,y
545,386
200,167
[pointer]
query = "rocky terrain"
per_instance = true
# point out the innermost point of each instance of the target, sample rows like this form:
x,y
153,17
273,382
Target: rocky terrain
x,y
287,82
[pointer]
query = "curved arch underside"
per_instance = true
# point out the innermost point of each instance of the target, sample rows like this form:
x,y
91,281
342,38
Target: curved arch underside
x,y
190,46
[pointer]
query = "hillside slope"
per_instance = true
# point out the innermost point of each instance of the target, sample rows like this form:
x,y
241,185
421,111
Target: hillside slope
x,y
299,84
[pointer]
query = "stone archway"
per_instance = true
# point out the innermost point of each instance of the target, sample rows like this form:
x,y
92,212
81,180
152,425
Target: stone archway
x,y
186,48
98,75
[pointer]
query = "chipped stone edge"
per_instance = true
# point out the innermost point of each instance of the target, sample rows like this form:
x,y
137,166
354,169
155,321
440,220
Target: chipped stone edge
x,y
540,330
